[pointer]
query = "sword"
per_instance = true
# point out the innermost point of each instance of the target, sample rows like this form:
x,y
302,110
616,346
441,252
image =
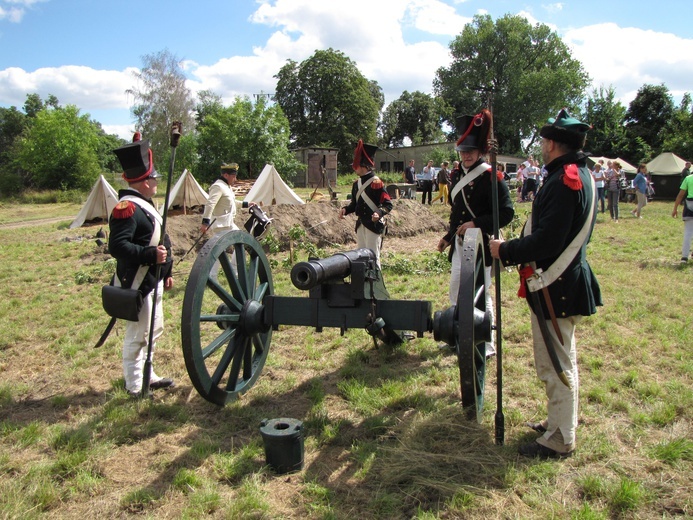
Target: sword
x,y
549,305
196,241
106,332
548,340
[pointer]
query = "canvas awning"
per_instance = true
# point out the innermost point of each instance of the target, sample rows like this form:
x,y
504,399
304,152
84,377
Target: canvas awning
x,y
269,188
101,201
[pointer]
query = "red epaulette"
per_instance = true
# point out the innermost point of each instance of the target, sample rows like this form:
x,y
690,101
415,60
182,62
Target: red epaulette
x,y
124,209
571,177
377,183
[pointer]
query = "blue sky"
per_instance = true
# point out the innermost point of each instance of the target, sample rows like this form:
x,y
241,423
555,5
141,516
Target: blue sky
x,y
85,51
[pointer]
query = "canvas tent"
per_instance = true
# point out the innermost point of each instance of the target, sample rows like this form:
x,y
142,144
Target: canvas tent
x,y
269,188
101,201
187,192
625,166
666,174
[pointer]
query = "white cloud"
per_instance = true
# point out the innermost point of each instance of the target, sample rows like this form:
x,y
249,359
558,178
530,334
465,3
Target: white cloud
x,y
553,8
85,87
13,14
628,58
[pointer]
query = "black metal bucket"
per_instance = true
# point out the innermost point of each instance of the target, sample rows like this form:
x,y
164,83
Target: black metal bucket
x,y
283,440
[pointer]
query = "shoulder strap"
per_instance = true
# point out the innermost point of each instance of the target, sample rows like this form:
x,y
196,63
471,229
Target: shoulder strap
x,y
362,194
546,278
154,241
473,174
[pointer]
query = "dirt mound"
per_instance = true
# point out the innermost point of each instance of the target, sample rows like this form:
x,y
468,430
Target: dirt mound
x,y
321,222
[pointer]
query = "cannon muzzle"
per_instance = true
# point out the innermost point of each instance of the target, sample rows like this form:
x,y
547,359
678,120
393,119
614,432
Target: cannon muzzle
x,y
306,275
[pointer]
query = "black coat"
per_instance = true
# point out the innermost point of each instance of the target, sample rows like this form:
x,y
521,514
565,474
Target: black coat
x,y
377,193
131,231
558,214
478,195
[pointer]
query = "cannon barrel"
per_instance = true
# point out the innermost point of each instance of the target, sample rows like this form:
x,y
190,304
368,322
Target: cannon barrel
x,y
306,275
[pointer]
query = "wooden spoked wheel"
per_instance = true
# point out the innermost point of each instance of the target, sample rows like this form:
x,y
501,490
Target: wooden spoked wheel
x,y
224,338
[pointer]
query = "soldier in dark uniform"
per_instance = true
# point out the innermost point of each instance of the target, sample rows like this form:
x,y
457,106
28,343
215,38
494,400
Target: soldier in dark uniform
x,y
369,200
472,203
135,227
563,216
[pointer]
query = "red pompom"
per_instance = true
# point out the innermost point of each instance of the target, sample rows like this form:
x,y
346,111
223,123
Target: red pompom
x,y
571,177
525,273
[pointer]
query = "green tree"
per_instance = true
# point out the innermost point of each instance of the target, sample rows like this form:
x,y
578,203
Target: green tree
x,y
327,101
12,124
647,119
161,98
251,134
416,116
59,150
679,135
528,70
606,115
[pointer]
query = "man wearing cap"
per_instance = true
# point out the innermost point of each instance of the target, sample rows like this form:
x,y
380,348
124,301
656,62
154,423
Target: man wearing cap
x,y
221,204
135,227
472,202
556,278
369,200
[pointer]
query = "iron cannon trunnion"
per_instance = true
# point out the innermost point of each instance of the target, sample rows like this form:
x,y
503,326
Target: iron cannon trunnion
x,y
227,321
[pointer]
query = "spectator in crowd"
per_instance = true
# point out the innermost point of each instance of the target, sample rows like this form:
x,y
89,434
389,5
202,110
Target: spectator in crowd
x,y
443,182
640,184
686,170
685,199
427,182
613,188
599,179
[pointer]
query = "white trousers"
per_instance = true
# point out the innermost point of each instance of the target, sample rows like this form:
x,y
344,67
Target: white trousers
x,y
563,401
366,238
455,270
687,238
137,339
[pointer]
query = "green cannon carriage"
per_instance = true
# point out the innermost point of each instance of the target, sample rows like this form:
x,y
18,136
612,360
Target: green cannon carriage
x,y
227,321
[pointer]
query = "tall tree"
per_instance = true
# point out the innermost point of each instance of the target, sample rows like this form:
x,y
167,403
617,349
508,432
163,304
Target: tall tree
x,y
329,102
59,150
647,117
528,70
606,115
12,124
161,98
679,135
416,116
251,134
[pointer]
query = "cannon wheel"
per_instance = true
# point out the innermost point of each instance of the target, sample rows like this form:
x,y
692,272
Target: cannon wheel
x,y
474,324
225,342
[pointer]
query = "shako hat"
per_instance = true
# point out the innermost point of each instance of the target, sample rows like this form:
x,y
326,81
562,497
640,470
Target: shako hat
x,y
566,129
364,155
136,160
230,168
475,132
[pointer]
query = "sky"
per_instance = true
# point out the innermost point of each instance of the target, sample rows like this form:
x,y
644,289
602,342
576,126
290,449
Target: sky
x,y
85,52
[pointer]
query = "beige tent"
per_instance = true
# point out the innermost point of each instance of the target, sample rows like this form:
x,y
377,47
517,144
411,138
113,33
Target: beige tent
x,y
269,188
666,174
625,166
187,193
100,203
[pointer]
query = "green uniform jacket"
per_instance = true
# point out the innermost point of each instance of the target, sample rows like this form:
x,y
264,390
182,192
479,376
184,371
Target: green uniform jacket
x,y
558,214
129,241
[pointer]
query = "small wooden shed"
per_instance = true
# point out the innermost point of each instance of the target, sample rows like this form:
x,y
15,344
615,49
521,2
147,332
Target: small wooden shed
x,y
318,160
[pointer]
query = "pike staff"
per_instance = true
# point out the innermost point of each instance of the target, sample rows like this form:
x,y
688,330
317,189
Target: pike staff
x,y
499,418
176,129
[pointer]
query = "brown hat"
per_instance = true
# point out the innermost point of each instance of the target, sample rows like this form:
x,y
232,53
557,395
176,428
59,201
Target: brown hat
x,y
230,168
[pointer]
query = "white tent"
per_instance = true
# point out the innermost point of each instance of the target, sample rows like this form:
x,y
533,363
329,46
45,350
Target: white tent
x,y
269,188
666,163
100,203
187,192
625,166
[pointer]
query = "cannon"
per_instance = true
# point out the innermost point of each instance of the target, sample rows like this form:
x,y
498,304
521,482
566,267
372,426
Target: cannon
x,y
227,321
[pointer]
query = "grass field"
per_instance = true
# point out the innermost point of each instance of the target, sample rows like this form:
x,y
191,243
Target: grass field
x,y
384,433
